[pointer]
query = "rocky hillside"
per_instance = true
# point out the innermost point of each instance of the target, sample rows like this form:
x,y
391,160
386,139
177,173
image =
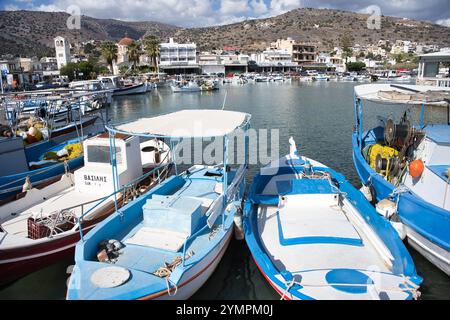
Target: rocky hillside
x,y
323,26
32,32
28,32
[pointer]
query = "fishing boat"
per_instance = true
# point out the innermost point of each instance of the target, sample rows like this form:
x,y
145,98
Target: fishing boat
x,y
190,86
35,166
321,77
44,224
119,89
261,78
313,236
404,166
38,151
170,240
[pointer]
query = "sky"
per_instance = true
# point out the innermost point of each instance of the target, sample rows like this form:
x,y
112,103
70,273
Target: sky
x,y
197,13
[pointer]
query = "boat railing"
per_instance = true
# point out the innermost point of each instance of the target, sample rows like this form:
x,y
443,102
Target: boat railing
x,y
165,169
192,236
214,207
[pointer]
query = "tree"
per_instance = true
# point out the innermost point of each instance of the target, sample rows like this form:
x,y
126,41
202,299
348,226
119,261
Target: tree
x,y
355,66
151,45
346,43
82,70
88,48
134,53
109,53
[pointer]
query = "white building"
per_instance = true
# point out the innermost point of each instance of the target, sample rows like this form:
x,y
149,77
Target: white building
x,y
211,63
273,56
62,48
177,56
433,69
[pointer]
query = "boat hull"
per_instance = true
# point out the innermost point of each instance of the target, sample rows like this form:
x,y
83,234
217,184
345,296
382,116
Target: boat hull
x,y
426,225
137,89
195,278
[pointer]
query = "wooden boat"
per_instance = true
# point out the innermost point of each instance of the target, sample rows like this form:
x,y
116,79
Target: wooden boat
x,y
314,236
169,241
386,157
45,223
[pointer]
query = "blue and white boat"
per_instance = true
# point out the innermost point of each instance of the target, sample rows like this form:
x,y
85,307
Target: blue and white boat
x,y
22,166
190,86
386,158
167,242
314,236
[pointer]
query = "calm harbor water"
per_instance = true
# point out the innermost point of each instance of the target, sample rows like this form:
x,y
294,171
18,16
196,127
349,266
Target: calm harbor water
x,y
319,116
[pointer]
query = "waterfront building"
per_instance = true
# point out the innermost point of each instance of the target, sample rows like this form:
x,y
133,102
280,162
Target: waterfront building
x,y
49,68
122,54
235,62
62,48
178,58
31,69
302,53
433,70
284,44
272,59
211,63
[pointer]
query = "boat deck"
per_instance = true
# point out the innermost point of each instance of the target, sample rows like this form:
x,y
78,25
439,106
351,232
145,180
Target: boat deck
x,y
317,241
158,244
66,199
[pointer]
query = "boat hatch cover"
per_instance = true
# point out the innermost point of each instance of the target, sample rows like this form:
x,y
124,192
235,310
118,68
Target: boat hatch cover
x,y
347,278
110,277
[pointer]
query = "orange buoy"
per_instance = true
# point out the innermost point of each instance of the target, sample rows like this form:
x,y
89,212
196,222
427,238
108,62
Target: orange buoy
x,y
416,168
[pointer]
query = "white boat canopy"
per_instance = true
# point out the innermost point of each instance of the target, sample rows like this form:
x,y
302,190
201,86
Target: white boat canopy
x,y
197,123
403,94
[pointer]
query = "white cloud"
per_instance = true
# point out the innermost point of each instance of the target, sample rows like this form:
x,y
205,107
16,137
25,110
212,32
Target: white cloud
x,y
179,12
233,7
259,7
282,6
11,7
190,13
444,22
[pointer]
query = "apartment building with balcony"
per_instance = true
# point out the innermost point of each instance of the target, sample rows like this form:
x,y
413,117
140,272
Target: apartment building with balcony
x,y
302,53
178,57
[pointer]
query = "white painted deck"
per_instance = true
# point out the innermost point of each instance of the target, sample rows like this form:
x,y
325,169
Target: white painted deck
x,y
318,215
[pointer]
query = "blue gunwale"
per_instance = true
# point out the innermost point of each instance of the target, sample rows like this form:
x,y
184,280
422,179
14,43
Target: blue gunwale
x,y
12,184
411,208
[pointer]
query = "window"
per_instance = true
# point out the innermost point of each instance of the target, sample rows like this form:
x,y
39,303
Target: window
x,y
100,154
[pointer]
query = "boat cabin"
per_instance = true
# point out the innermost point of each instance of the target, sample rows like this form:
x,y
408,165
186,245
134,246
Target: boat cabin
x,y
96,176
110,82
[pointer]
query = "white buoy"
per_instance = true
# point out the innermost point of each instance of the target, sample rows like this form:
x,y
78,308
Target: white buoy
x,y
400,228
365,190
238,226
386,208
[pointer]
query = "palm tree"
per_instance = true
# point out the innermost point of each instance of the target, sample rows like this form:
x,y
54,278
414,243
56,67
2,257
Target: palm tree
x,y
151,45
109,53
134,53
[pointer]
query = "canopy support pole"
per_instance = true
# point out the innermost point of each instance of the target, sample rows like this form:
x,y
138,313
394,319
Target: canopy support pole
x,y
174,156
112,156
422,115
225,179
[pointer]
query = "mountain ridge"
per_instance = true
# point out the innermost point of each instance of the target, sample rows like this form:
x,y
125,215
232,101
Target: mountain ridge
x,y
31,32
